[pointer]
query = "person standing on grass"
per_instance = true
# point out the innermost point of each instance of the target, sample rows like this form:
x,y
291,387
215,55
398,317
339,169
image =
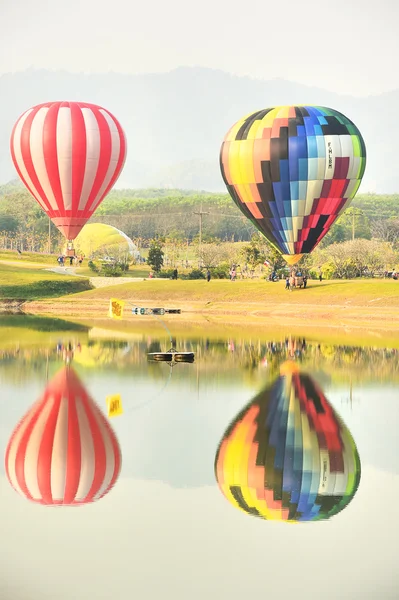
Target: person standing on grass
x,y
208,275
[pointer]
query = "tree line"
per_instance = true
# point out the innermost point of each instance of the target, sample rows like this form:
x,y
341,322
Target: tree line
x,y
200,228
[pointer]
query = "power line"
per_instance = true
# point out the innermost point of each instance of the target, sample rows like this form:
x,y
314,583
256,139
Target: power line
x,y
168,214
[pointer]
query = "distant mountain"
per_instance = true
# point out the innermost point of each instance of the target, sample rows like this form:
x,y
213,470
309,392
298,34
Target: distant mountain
x,y
175,121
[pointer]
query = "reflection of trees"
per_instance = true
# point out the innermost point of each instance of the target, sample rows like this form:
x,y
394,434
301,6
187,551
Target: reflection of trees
x,y
229,358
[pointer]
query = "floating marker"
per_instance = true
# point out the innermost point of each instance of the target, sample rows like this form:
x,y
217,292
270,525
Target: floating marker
x,y
114,405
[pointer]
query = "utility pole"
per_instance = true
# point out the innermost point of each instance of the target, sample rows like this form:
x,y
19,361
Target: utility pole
x,y
200,214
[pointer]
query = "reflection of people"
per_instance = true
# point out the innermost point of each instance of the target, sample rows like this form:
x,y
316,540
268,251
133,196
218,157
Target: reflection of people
x,y
68,353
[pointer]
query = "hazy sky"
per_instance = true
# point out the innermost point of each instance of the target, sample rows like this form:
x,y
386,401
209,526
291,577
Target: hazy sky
x,y
348,47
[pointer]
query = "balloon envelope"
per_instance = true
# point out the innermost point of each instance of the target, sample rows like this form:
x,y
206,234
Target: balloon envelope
x,y
288,456
63,451
292,170
68,155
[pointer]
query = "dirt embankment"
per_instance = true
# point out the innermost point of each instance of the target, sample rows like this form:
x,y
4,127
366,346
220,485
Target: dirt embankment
x,y
266,314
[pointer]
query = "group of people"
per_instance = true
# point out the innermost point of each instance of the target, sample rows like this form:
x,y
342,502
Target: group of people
x,y
72,260
295,279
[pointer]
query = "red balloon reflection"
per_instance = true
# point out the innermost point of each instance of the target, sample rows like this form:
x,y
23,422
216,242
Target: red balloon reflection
x,y
63,451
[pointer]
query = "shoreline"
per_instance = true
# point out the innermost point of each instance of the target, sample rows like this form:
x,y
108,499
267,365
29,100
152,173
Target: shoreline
x,y
340,322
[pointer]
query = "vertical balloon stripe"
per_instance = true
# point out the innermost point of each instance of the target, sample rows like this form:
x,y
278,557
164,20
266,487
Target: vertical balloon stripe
x,y
30,451
104,159
122,156
38,160
113,160
112,451
73,450
45,437
88,455
64,154
16,449
92,155
79,149
26,159
58,469
108,475
16,155
49,141
99,452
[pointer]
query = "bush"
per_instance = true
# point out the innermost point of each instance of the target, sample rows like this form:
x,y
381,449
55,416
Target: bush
x,y
92,266
111,271
165,274
222,271
196,274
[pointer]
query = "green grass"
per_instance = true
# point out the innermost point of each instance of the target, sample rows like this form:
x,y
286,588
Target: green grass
x,y
348,292
37,323
27,283
32,257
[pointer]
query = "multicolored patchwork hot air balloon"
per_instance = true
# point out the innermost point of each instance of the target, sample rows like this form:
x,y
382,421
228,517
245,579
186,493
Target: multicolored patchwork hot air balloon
x,y
292,170
64,451
288,456
68,155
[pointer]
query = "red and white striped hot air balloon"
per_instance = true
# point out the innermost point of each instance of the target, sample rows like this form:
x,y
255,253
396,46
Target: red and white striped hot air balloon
x,y
68,155
63,451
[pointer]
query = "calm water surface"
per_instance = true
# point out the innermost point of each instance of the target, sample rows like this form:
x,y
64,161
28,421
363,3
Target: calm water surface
x,y
165,529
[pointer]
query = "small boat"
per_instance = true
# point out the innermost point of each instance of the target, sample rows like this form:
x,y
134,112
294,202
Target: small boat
x,y
171,356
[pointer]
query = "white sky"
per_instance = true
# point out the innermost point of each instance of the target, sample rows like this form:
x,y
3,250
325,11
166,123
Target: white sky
x,y
344,46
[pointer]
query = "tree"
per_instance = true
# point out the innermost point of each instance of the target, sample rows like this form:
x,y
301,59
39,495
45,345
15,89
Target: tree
x,y
252,254
155,255
211,255
8,223
386,230
356,258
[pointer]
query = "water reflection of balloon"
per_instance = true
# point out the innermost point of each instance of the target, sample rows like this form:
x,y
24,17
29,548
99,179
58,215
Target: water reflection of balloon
x,y
288,456
292,170
63,451
68,155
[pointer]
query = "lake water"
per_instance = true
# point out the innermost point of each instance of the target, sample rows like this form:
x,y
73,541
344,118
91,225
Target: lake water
x,y
165,529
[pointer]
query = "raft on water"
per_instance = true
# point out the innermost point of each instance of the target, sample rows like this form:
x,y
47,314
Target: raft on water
x,y
171,356
137,310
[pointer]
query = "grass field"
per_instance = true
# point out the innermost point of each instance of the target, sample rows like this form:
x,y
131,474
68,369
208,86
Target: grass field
x,y
31,257
27,281
355,308
383,293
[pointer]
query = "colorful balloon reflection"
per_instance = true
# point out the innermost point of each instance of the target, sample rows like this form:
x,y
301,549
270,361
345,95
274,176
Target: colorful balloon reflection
x,y
63,451
288,456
